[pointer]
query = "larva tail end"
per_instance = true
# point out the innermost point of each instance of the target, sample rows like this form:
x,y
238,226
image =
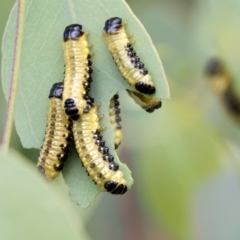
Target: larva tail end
x,y
115,188
156,106
145,88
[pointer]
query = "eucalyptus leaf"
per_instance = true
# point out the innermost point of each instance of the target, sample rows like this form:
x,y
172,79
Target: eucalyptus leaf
x,y
41,65
32,209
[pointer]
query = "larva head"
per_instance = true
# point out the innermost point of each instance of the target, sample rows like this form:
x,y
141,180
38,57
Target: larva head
x,y
214,67
56,90
113,25
73,32
218,75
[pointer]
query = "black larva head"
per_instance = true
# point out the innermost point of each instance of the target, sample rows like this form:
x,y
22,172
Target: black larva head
x,y
56,90
112,25
214,67
73,31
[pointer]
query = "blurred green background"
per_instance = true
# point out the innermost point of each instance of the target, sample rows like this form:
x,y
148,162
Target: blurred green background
x,y
184,157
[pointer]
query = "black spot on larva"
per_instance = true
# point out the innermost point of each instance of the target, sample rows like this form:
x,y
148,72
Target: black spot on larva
x,y
113,166
92,165
131,54
118,118
89,63
83,148
139,65
62,157
108,158
113,25
135,59
110,185
129,47
116,103
144,71
59,167
89,70
103,150
87,108
118,126
56,90
66,148
99,175
117,110
73,32
100,143
69,138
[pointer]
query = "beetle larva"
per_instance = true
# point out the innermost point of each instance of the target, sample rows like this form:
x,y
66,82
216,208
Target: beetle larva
x,y
77,77
58,137
115,119
94,154
221,82
125,57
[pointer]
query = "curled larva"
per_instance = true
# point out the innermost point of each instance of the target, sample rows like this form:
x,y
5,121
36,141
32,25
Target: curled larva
x,y
221,82
94,154
147,103
77,77
115,119
125,57
58,137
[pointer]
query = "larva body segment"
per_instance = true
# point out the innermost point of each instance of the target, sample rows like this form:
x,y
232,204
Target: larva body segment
x,y
125,57
77,79
58,137
94,154
221,82
115,119
149,104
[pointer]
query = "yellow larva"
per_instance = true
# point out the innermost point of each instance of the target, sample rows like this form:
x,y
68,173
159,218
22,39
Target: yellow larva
x,y
94,154
125,57
147,103
221,81
115,119
58,137
77,77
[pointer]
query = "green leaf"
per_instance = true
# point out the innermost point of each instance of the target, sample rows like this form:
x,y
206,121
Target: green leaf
x,y
31,208
41,65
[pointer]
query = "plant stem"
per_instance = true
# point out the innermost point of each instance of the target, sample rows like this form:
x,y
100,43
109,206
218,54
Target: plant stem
x,y
14,77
